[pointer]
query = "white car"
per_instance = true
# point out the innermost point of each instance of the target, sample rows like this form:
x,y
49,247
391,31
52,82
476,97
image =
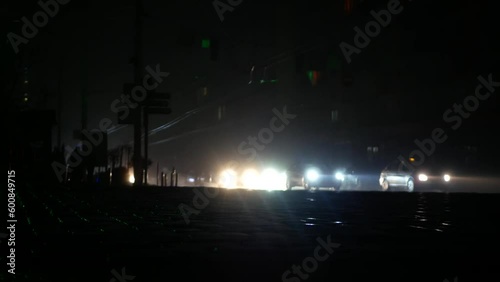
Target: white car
x,y
406,176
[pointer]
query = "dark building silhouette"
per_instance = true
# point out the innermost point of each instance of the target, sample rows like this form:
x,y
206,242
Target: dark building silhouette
x,y
30,144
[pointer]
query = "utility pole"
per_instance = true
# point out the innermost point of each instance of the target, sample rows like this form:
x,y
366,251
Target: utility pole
x,y
146,145
85,82
157,173
59,108
84,100
138,75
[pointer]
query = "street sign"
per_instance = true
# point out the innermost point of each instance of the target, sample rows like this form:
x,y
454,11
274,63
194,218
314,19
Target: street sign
x,y
157,103
154,103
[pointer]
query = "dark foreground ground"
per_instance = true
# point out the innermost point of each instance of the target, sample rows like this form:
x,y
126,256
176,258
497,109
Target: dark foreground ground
x,y
94,234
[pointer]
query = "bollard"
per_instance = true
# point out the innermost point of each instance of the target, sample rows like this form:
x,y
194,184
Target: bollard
x,y
172,177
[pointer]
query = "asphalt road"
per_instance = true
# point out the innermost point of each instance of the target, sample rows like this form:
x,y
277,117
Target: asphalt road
x,y
125,234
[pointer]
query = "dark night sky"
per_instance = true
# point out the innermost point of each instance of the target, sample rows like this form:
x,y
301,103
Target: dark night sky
x,y
428,57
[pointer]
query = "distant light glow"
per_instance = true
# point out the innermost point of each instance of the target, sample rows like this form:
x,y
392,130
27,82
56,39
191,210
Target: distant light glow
x,y
447,177
190,179
228,179
131,178
348,6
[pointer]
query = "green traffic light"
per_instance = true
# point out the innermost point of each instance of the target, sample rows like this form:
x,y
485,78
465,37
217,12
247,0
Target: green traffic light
x,y
205,43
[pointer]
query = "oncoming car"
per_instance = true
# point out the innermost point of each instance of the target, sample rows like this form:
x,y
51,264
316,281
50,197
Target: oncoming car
x,y
404,175
313,176
266,178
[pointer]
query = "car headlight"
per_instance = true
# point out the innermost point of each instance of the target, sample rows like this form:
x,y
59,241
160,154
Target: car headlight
x,y
447,177
272,179
422,177
250,178
339,176
312,174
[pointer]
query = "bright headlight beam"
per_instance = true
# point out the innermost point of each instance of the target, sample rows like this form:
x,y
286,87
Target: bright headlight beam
x,y
422,177
447,177
250,178
270,175
312,174
271,179
339,176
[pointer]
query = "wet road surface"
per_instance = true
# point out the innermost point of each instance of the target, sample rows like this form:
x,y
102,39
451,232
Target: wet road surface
x,y
125,234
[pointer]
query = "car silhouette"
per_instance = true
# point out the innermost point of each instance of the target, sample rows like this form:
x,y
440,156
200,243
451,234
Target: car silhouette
x,y
313,176
407,175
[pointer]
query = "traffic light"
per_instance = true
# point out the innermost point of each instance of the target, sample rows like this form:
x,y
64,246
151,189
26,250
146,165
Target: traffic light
x,y
205,43
313,76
